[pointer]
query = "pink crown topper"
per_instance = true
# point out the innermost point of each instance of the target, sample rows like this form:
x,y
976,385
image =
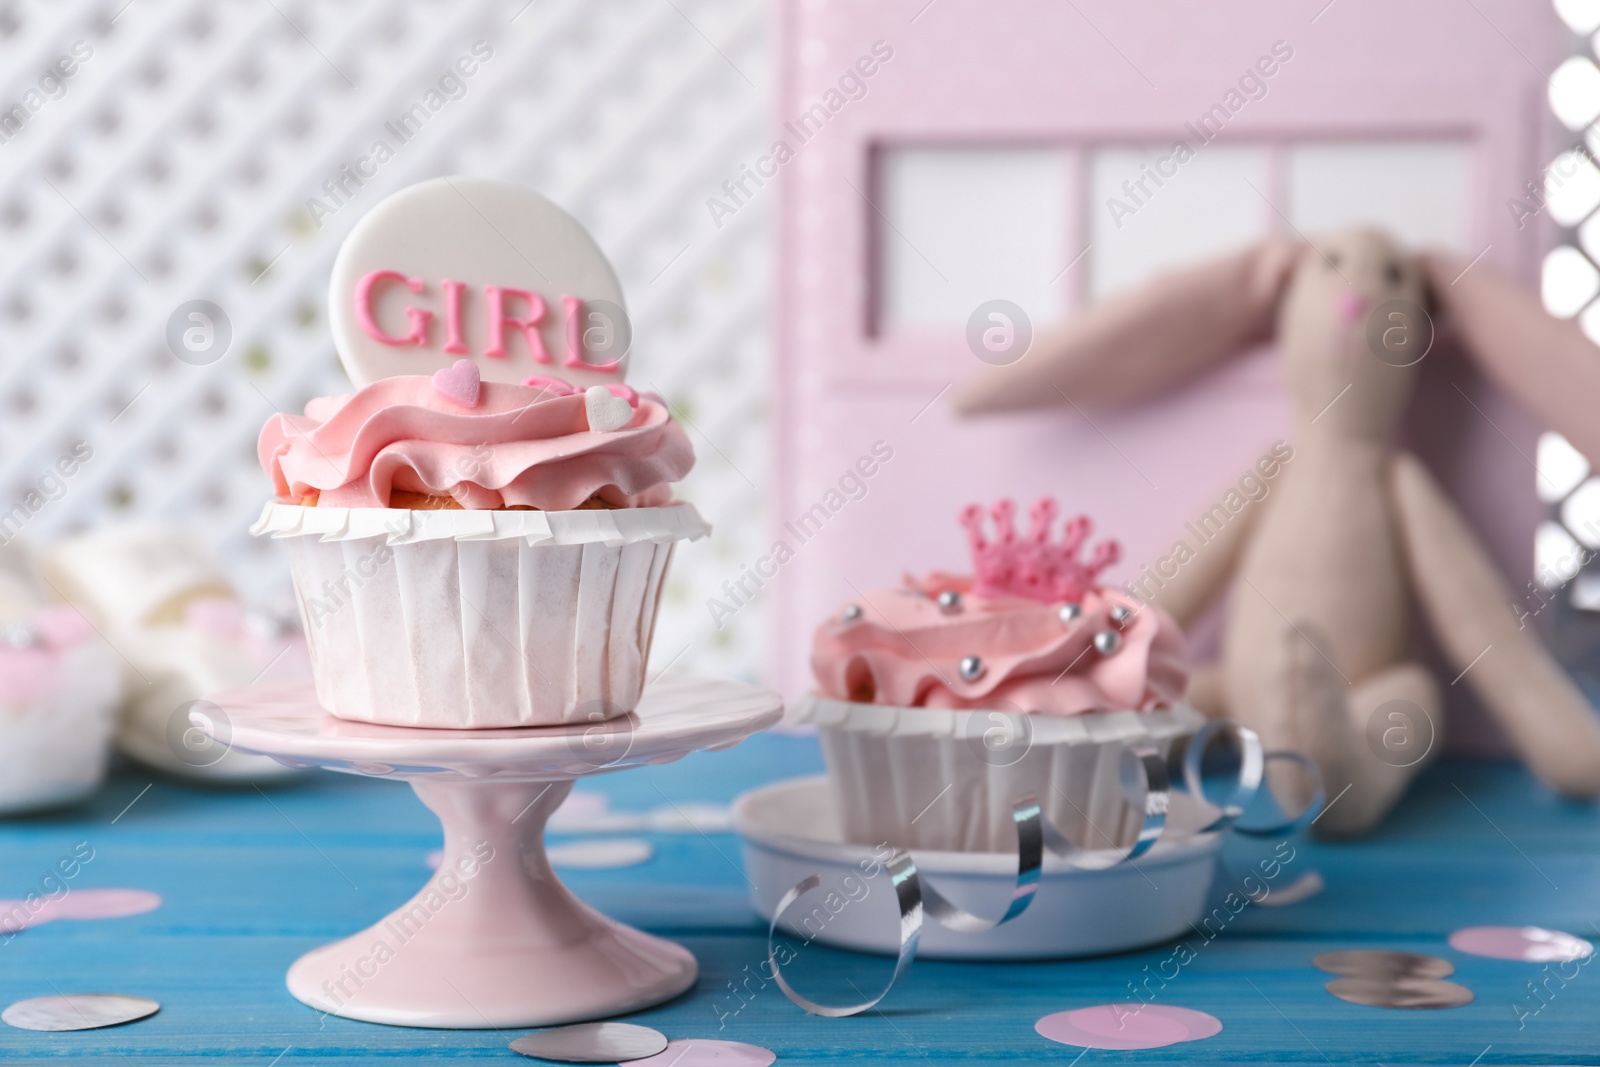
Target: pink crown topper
x,y
1032,566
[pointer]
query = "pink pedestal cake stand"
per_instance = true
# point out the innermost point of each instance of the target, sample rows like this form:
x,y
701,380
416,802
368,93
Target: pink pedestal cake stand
x,y
515,948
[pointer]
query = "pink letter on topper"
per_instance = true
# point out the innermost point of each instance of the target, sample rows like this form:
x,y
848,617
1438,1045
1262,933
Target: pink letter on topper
x,y
418,317
574,308
452,317
495,296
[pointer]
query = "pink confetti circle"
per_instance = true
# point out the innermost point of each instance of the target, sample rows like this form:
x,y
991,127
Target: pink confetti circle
x,y
18,915
698,1053
1529,944
105,903
1200,1024
79,904
1128,1027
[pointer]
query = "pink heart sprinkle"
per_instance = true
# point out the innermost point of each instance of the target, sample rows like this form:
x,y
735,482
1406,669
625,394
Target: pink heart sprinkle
x,y
459,382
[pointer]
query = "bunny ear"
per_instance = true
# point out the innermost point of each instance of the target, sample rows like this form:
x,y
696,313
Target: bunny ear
x,y
1546,364
1152,338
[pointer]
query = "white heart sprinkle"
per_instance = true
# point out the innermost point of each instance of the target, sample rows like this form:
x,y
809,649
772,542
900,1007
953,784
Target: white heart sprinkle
x,y
606,411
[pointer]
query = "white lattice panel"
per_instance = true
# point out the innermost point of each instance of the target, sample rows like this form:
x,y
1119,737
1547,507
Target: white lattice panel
x,y
177,163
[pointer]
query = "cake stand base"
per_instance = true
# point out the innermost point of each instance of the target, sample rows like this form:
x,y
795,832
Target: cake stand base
x,y
494,940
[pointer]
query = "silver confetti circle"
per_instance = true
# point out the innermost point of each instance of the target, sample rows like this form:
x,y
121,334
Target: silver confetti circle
x,y
1121,614
852,612
1069,613
971,668
949,602
1381,963
1401,993
592,1043
78,1011
1107,641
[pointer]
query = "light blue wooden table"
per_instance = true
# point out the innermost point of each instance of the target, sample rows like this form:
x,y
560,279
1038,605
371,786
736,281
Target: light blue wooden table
x,y
251,880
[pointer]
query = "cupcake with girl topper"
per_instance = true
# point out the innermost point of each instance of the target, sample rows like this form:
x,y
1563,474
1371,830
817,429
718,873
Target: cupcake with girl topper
x,y
944,701
479,534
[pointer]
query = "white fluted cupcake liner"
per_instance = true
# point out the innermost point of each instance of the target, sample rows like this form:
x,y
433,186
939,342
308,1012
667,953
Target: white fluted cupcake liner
x,y
479,620
932,778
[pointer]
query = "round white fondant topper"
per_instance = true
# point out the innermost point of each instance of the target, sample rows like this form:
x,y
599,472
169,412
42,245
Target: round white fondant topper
x,y
470,268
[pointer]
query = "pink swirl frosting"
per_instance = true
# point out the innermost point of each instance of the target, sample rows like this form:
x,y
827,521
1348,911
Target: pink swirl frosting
x,y
519,445
903,650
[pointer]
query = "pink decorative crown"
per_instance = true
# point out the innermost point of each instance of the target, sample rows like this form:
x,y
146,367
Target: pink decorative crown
x,y
1032,567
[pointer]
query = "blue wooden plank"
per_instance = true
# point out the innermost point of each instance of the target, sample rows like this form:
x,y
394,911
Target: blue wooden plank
x,y
252,879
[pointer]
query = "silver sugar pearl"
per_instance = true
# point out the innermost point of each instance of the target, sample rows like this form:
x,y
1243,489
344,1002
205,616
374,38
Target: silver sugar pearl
x,y
1121,614
852,612
1069,613
1107,641
971,668
949,602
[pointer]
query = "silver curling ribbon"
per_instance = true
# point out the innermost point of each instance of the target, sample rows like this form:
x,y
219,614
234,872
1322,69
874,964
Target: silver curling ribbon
x,y
908,895
1143,771
1247,783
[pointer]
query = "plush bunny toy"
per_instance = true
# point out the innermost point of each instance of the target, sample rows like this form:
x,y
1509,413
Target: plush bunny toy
x,y
1314,649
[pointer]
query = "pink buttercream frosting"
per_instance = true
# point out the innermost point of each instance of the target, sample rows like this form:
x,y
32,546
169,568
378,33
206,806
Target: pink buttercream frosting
x,y
517,445
904,650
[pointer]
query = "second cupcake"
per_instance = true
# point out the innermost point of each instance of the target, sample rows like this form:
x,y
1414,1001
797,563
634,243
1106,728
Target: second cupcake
x,y
946,700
